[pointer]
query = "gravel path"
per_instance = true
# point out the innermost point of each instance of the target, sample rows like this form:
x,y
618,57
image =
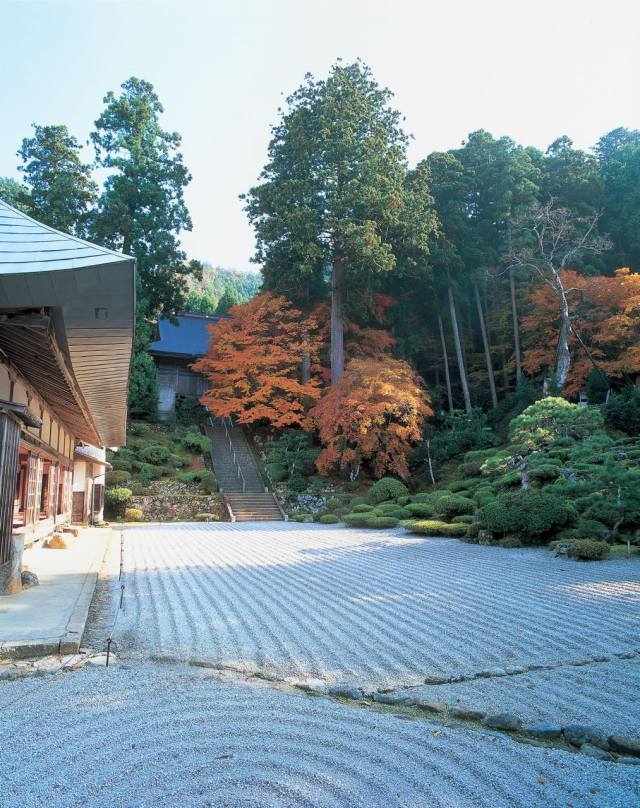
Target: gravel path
x,y
350,604
176,737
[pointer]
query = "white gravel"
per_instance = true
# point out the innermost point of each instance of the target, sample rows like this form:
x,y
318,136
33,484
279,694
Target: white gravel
x,y
353,604
603,694
175,737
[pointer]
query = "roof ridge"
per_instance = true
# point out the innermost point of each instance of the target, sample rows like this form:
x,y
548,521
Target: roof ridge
x,y
84,243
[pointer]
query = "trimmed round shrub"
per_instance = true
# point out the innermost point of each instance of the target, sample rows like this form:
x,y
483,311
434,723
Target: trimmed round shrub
x,y
362,508
381,522
591,529
531,515
398,513
385,507
423,496
177,461
115,500
155,454
138,488
196,443
121,464
356,519
328,519
510,542
115,478
137,428
208,481
464,485
297,483
333,503
387,488
206,517
544,472
150,472
588,549
357,501
434,527
420,509
402,501
133,515
452,505
511,479
300,517
463,519
277,471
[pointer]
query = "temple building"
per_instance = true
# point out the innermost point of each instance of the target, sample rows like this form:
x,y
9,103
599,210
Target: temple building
x,y
179,342
67,316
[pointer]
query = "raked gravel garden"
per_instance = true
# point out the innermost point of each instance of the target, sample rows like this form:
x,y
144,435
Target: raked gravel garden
x,y
269,664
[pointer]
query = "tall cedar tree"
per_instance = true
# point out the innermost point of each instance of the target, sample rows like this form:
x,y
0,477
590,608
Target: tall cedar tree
x,y
61,191
142,210
253,363
333,193
372,417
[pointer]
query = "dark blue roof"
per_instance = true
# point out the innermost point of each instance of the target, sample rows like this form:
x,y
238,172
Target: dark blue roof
x,y
189,337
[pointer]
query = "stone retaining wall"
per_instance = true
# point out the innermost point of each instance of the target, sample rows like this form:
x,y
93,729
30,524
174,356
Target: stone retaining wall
x,y
178,507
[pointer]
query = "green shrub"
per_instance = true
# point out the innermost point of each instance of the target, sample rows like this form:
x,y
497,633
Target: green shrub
x,y
420,509
208,481
434,527
328,519
133,515
300,517
333,503
551,418
138,488
544,472
189,411
115,478
603,510
588,549
137,428
381,522
510,542
471,469
622,411
423,496
464,519
362,508
464,485
399,513
455,432
452,505
196,443
189,476
402,501
155,454
591,529
479,455
177,461
357,501
206,517
115,500
277,471
150,472
121,464
528,514
297,483
511,479
356,519
386,488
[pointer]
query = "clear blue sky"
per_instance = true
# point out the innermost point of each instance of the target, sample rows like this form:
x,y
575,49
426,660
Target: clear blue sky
x,y
533,69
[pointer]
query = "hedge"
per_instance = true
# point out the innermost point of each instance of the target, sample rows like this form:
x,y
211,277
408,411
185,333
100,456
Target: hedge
x,y
133,515
380,522
433,527
328,519
386,488
588,550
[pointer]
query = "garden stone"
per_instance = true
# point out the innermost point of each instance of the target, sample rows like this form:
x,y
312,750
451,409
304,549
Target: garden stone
x,y
543,730
578,734
431,706
100,660
436,680
467,714
626,744
490,672
595,752
629,761
29,579
345,691
393,698
505,721
313,685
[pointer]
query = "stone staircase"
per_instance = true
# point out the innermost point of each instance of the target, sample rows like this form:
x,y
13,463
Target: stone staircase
x,y
238,474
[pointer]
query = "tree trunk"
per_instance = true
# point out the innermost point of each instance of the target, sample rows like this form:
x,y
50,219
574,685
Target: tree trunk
x,y
487,351
563,356
456,336
306,367
445,357
337,321
516,328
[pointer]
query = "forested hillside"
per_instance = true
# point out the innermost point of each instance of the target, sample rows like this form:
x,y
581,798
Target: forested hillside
x,y
220,288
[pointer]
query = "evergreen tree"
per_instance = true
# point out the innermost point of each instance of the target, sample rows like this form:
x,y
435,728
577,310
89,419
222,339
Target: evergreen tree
x,y
61,191
15,194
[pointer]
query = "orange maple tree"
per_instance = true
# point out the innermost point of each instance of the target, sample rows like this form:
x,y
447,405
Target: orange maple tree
x,y
254,363
373,415
605,327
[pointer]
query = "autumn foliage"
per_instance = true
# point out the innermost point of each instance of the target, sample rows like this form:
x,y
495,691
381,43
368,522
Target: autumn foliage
x,y
605,318
254,363
373,416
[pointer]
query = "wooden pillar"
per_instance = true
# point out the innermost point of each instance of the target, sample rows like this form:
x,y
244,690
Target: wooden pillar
x,y
10,546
